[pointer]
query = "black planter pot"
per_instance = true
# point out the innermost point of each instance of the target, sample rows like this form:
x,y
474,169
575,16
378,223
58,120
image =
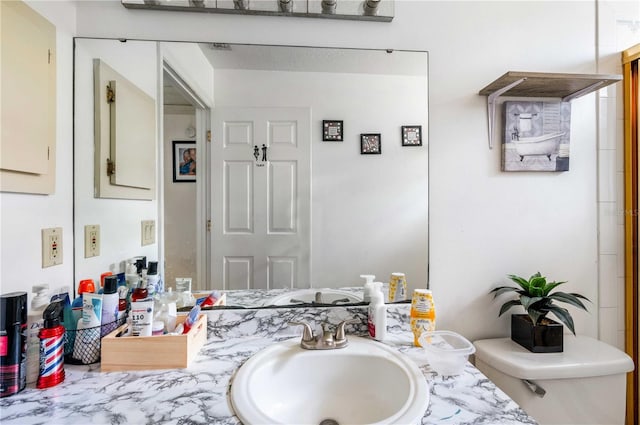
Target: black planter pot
x,y
543,338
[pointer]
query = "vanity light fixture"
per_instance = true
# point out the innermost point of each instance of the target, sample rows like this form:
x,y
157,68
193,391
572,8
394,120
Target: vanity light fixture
x,y
329,7
286,6
359,10
371,7
241,4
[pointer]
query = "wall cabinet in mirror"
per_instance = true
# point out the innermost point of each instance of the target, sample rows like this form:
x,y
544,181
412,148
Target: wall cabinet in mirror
x,y
125,136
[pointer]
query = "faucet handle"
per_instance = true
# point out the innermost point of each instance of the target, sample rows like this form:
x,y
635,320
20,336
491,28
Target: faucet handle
x,y
307,332
340,334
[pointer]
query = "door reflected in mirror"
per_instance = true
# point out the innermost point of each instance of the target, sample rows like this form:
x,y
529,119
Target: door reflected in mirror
x,y
274,208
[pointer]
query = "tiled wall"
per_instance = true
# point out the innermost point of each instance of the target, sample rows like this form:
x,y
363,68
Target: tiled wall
x,y
614,35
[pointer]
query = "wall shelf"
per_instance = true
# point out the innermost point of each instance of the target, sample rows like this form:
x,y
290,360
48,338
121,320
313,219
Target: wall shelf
x,y
565,87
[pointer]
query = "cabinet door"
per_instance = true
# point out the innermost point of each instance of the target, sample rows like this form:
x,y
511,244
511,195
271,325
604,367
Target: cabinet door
x,y
125,136
27,137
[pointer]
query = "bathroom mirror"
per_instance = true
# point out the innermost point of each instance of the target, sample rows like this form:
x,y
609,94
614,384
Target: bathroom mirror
x,y
338,206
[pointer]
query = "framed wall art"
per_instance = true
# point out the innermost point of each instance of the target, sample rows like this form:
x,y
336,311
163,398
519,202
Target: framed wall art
x,y
411,135
184,161
536,136
370,143
332,130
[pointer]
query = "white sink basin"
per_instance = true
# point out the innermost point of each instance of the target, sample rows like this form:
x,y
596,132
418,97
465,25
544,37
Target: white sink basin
x,y
364,383
327,296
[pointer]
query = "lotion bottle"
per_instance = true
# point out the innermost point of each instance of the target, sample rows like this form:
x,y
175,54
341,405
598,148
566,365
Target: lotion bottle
x,y
86,347
368,287
377,313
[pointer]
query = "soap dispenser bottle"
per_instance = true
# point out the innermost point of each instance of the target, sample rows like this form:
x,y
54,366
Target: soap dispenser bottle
x,y
368,287
377,313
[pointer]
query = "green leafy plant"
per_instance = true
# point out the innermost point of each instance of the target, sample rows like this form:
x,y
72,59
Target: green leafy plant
x,y
537,299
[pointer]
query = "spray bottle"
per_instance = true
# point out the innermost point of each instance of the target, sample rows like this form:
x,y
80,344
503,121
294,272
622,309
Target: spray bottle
x,y
35,322
52,346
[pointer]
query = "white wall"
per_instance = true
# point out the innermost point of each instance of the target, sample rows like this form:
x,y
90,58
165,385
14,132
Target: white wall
x,y
179,208
23,216
369,212
483,223
119,219
615,34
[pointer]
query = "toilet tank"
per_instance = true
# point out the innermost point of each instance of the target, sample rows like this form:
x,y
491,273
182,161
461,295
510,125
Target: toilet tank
x,y
584,384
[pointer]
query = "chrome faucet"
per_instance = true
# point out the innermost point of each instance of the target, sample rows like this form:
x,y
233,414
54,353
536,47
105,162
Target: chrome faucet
x,y
328,340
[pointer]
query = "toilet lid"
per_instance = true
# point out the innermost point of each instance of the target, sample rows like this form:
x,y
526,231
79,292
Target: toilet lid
x,y
582,357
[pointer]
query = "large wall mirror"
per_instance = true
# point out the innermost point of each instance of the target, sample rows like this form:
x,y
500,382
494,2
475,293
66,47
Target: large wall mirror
x,y
312,167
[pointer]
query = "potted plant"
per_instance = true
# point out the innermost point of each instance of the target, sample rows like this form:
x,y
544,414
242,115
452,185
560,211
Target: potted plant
x,y
534,330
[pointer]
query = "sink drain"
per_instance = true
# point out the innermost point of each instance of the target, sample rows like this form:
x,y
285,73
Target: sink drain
x,y
329,422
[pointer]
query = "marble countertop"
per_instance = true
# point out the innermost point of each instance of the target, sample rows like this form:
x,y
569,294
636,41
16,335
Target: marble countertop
x,y
251,298
199,393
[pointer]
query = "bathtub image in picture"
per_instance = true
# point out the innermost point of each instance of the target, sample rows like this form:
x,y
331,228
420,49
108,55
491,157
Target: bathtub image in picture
x,y
536,136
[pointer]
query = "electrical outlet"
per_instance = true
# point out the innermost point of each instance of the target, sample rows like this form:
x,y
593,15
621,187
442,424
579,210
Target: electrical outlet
x,y
91,240
51,247
148,232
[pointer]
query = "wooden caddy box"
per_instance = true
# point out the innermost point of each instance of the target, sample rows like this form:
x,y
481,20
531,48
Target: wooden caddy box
x,y
152,352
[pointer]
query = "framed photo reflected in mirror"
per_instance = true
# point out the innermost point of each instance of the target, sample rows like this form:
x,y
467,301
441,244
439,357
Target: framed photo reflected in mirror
x,y
184,161
370,144
332,130
411,135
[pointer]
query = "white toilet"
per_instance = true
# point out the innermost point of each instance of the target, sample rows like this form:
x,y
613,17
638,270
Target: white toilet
x,y
585,384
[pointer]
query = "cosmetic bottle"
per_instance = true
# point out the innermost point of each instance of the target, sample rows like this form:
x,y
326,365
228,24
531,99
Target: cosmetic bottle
x,y
123,306
183,292
191,319
52,347
377,314
140,292
35,322
422,316
131,274
397,287
87,344
85,285
166,311
368,287
103,276
110,302
153,279
13,355
142,317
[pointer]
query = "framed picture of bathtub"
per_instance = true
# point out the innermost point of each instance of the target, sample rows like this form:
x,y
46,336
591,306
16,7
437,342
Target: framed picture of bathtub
x,y
536,136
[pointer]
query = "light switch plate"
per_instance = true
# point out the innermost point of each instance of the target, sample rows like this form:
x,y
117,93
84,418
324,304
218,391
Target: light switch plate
x,y
51,246
91,240
148,232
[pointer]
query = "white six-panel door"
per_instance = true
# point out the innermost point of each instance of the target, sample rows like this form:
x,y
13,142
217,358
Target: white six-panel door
x,y
260,198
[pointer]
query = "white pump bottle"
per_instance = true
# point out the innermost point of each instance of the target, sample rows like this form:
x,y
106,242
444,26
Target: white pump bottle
x,y
377,313
368,287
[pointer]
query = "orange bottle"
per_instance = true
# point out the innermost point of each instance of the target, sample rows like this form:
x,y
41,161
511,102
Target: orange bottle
x,y
423,314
